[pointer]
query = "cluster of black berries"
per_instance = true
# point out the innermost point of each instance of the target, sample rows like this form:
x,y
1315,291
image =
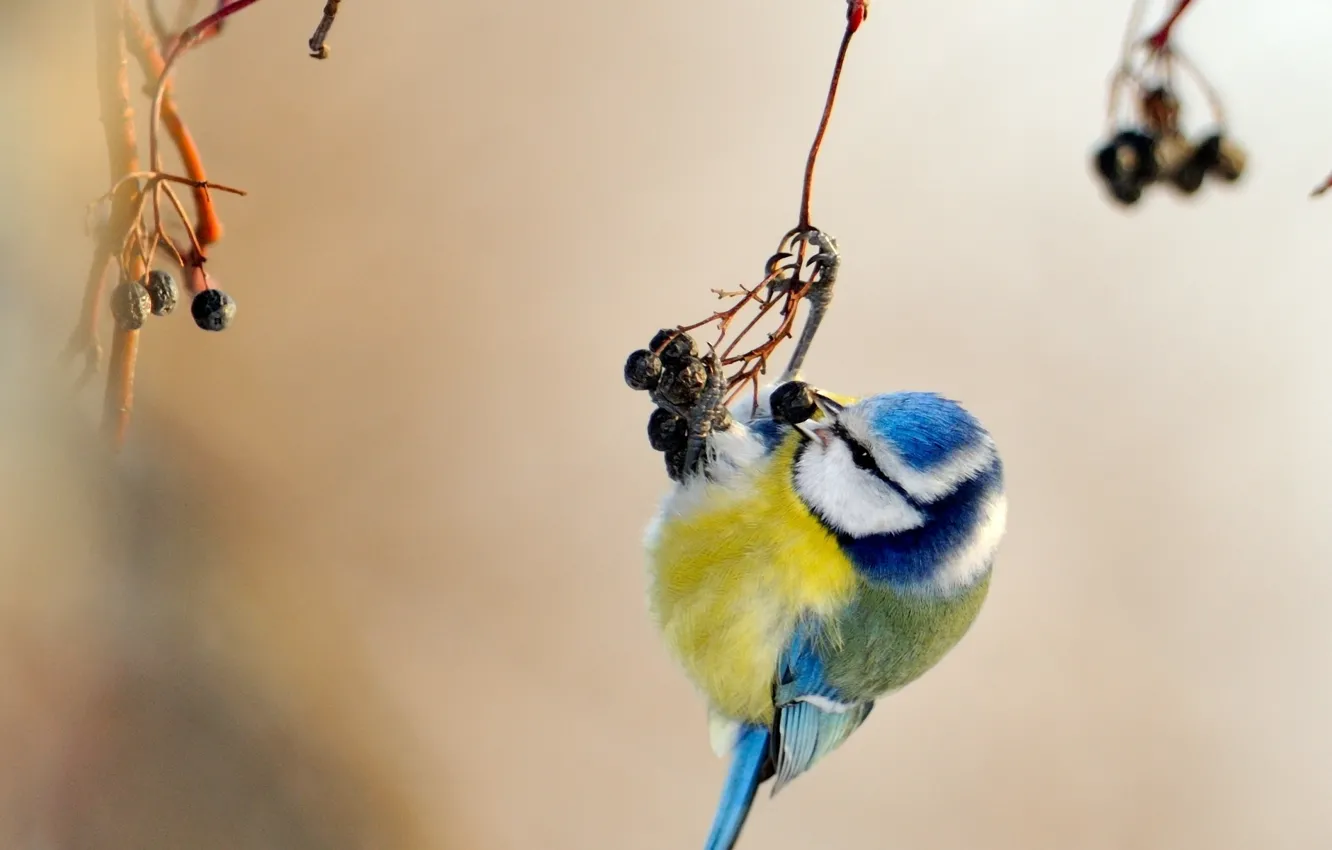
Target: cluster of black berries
x,y
158,294
672,372
1159,152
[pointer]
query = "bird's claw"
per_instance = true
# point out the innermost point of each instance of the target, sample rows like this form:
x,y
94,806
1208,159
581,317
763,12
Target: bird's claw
x,y
785,275
774,267
703,416
826,265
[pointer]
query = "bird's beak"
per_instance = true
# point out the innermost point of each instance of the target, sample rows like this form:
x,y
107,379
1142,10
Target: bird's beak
x,y
829,408
816,432
821,429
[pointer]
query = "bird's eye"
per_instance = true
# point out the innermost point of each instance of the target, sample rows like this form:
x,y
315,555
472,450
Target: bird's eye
x,y
860,455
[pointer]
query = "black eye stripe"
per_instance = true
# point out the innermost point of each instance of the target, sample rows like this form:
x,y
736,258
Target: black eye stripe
x,y
864,459
860,455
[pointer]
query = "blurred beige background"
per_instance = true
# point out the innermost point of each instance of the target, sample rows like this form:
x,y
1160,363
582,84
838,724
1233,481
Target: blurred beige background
x,y
372,577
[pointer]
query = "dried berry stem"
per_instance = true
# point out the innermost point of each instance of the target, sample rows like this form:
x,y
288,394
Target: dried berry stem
x,y
190,36
1209,91
181,43
857,11
145,51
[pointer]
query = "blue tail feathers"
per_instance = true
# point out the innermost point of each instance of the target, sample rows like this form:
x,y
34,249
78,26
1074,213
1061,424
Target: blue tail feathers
x,y
749,758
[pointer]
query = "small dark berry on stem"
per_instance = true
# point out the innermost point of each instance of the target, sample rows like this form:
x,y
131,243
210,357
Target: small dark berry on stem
x,y
163,292
1127,163
1208,154
684,384
130,305
642,371
673,346
792,402
1231,160
667,431
1188,178
213,310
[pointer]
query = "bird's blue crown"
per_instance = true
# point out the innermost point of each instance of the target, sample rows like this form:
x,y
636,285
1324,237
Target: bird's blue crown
x,y
924,428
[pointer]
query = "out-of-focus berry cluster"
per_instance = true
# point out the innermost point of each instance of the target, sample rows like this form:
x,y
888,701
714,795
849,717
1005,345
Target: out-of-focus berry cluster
x,y
675,376
1156,151
158,294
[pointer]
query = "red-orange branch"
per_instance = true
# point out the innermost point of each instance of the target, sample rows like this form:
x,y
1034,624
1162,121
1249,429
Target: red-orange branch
x,y
143,45
856,13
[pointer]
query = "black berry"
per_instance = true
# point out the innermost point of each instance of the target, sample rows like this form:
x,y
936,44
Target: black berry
x,y
667,431
678,346
213,310
792,402
642,371
675,461
1127,163
1208,153
1223,157
683,384
1127,194
130,304
1188,178
163,292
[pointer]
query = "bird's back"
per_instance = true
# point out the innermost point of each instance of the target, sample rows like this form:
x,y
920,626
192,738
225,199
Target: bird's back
x,y
885,639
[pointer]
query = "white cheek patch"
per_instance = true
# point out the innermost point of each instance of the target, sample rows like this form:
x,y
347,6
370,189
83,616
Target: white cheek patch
x,y
974,559
848,498
924,487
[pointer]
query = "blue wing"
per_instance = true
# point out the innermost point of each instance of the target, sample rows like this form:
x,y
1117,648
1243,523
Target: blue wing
x,y
810,721
812,717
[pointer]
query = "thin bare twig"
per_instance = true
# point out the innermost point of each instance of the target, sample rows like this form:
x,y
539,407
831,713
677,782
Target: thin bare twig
x,y
782,288
856,13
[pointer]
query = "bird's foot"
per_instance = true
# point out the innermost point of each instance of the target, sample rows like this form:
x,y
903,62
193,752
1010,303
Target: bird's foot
x,y
823,259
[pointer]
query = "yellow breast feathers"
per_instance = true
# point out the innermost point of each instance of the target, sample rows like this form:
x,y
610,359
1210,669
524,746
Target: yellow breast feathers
x,y
732,570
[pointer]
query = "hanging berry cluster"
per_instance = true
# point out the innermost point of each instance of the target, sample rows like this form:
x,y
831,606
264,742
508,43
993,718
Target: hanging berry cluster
x,y
677,378
1146,143
128,222
692,388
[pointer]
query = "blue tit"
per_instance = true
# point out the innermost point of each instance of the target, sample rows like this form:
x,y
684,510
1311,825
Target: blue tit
x,y
807,570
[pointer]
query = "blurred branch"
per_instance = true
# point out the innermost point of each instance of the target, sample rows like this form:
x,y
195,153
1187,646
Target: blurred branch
x,y
318,49
122,155
1159,39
